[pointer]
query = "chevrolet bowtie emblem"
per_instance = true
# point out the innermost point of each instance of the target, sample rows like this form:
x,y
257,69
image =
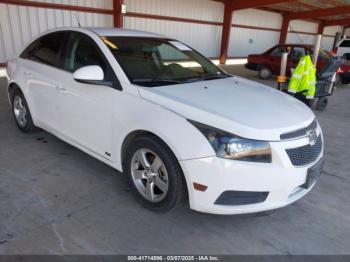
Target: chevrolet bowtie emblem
x,y
312,137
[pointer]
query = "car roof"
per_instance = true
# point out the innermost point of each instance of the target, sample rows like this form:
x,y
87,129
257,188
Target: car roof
x,y
106,31
302,45
110,31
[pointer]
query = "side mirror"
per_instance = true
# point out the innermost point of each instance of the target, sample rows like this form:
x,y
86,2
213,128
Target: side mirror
x,y
92,75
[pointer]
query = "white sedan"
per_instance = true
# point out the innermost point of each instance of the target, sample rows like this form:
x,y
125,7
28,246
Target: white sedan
x,y
173,122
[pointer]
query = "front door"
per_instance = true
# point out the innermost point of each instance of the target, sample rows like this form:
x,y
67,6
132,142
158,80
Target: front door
x,y
275,57
86,110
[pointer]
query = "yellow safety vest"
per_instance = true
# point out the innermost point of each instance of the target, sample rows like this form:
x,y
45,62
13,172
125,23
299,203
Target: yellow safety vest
x,y
304,78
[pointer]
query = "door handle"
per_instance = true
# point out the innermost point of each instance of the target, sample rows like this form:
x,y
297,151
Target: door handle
x,y
61,89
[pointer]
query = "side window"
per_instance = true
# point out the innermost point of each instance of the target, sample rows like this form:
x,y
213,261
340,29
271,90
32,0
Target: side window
x,y
277,51
170,55
345,43
46,49
81,50
298,52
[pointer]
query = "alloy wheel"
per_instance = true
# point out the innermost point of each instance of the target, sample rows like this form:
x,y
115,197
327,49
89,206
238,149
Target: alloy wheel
x,y
20,111
149,175
264,73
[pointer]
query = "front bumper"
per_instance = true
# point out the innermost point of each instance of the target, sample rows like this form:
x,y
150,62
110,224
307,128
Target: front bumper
x,y
280,179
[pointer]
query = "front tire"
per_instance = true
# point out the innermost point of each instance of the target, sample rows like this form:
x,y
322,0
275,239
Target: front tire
x,y
154,174
21,112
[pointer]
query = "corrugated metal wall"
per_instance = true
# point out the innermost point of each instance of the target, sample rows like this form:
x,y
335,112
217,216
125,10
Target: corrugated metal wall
x,y
327,42
347,32
309,27
19,24
205,38
195,9
301,26
245,41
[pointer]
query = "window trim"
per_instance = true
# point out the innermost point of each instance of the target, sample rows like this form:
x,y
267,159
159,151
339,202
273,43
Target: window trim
x,y
164,39
292,52
59,54
277,47
116,84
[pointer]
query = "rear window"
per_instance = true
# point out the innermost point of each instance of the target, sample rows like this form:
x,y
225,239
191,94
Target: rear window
x,y
345,43
46,49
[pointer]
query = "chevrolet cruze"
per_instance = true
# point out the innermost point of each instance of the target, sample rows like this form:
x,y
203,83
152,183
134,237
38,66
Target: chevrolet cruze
x,y
168,118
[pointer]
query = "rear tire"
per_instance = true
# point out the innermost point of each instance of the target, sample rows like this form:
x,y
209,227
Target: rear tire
x,y
154,174
21,112
265,72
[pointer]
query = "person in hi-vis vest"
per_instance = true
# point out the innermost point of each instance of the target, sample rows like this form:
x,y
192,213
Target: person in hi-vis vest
x,y
303,81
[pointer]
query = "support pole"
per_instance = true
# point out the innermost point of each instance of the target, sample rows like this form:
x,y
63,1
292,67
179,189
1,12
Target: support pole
x,y
320,28
226,31
316,49
281,79
284,30
117,13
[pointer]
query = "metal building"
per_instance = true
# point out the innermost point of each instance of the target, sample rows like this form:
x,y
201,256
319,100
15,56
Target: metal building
x,y
217,28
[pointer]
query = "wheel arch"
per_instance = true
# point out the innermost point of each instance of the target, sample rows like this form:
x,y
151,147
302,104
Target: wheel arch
x,y
264,65
11,87
139,133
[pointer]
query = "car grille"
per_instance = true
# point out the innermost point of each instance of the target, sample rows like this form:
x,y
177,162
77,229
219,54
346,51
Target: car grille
x,y
300,132
304,155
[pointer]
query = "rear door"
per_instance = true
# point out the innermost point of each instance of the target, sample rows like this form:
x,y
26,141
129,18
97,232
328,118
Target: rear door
x,y
86,111
40,68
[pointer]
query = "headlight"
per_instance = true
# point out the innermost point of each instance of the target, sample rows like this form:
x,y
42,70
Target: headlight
x,y
230,146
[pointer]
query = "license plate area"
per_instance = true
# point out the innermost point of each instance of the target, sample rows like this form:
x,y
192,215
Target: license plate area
x,y
313,173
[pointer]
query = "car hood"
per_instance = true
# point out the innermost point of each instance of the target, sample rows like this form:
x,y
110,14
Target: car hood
x,y
236,105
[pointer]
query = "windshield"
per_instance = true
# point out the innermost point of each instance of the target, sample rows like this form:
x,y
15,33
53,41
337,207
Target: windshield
x,y
324,54
321,54
155,61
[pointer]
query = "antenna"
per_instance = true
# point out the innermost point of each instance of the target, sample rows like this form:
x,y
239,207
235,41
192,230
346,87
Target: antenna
x,y
76,17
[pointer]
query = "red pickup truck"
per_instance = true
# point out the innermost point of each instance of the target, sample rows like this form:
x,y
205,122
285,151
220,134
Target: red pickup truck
x,y
269,62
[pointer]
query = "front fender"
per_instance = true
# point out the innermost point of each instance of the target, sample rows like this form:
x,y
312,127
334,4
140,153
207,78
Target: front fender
x,y
186,141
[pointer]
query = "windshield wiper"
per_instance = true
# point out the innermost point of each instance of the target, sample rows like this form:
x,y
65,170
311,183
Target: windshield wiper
x,y
214,76
156,82
207,77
